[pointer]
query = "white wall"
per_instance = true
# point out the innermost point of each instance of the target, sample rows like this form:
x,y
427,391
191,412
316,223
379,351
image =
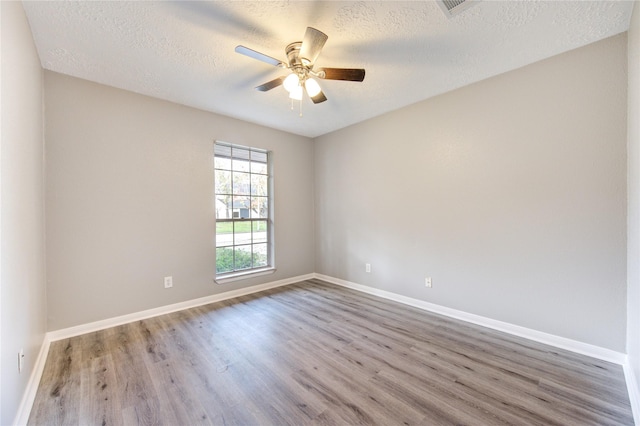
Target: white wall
x,y
510,193
633,219
22,277
130,200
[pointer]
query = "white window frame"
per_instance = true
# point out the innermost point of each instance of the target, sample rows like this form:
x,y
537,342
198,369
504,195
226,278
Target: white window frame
x,y
220,150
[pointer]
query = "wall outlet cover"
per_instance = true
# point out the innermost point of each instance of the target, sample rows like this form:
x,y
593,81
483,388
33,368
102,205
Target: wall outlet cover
x,y
20,360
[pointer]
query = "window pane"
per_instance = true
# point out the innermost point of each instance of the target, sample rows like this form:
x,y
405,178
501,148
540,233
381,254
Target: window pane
x,y
242,233
241,207
259,207
260,168
259,231
224,260
224,234
259,156
222,159
222,150
241,183
242,256
240,161
222,163
224,209
240,166
242,226
240,153
223,182
259,255
259,185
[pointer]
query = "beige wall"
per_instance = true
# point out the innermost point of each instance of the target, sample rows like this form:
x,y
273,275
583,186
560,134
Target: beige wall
x,y
130,200
510,193
633,220
22,259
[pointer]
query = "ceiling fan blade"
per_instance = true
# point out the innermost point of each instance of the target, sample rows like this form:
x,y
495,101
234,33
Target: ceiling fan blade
x,y
259,56
347,74
314,91
312,44
270,84
319,98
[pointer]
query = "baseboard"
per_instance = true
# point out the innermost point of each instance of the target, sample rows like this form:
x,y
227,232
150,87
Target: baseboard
x,y
597,352
582,348
26,404
29,396
162,310
633,387
537,336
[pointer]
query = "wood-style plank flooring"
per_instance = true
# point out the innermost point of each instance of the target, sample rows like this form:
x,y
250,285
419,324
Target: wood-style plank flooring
x,y
312,354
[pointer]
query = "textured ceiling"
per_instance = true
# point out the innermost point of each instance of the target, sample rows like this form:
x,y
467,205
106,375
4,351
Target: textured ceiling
x,y
184,51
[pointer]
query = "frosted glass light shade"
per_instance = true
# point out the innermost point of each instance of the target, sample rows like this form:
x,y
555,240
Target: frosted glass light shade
x,y
296,93
312,86
291,82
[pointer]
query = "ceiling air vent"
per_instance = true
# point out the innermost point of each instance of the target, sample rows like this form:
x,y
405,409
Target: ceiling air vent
x,y
455,7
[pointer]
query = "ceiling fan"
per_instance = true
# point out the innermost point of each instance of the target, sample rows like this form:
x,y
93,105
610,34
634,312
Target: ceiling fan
x,y
301,57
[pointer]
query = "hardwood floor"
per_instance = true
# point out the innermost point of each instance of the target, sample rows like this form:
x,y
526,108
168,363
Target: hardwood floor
x,y
312,354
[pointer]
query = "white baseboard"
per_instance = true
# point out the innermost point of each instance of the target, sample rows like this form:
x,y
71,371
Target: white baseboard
x,y
633,384
26,404
597,352
24,410
633,387
537,336
582,348
162,310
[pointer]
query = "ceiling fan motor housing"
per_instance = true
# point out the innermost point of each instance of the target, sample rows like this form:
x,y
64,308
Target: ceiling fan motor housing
x,y
298,65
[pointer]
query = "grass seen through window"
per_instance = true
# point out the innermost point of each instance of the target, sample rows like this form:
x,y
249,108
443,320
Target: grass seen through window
x,y
227,227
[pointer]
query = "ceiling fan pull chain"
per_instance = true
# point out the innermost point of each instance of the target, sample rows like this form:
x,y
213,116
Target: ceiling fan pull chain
x,y
300,107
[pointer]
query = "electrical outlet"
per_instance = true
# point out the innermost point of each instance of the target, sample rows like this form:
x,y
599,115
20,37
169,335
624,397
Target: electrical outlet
x,y
367,267
427,282
20,360
168,282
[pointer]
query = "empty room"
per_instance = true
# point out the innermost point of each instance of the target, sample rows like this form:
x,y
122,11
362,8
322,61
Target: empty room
x,y
320,212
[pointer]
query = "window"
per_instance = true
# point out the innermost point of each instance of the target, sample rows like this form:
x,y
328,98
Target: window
x,y
243,210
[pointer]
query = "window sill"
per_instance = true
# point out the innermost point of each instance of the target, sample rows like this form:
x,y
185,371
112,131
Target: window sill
x,y
236,276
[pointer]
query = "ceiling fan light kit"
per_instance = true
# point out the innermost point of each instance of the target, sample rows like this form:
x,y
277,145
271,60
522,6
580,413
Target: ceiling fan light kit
x,y
312,86
296,93
301,57
291,82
